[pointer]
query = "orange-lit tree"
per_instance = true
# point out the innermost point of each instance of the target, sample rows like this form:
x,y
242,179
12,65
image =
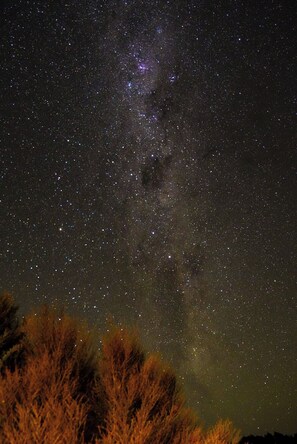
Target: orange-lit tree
x,y
11,347
223,432
143,402
52,398
39,404
64,392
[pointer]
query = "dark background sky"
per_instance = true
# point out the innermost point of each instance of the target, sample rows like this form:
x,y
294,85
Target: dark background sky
x,y
148,174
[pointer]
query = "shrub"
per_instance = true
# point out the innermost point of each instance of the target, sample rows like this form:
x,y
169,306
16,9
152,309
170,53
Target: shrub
x,y
39,403
144,404
11,347
64,392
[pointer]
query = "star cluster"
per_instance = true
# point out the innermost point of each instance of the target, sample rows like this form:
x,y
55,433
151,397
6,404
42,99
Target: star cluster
x,y
148,174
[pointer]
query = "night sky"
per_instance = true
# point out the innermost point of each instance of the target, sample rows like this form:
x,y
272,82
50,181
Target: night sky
x,y
148,175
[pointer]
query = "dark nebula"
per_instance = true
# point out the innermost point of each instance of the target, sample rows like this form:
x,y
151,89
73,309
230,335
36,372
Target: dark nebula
x,y
153,174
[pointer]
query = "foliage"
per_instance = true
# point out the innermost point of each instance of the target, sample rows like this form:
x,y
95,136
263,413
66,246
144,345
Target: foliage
x,y
11,347
39,403
223,432
66,392
65,338
143,402
69,341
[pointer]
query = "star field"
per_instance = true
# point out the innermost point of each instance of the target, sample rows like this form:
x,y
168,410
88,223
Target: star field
x,y
148,175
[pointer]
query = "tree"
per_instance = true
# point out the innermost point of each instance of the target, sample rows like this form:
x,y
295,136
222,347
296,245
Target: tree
x,y
65,392
53,397
223,432
39,403
69,340
11,335
144,405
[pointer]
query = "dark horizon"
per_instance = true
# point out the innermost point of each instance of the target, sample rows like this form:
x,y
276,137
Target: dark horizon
x,y
269,438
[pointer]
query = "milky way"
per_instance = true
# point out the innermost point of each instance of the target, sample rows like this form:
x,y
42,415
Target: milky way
x,y
148,175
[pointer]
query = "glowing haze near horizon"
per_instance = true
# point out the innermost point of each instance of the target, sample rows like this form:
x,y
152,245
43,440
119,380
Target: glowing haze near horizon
x,y
148,174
